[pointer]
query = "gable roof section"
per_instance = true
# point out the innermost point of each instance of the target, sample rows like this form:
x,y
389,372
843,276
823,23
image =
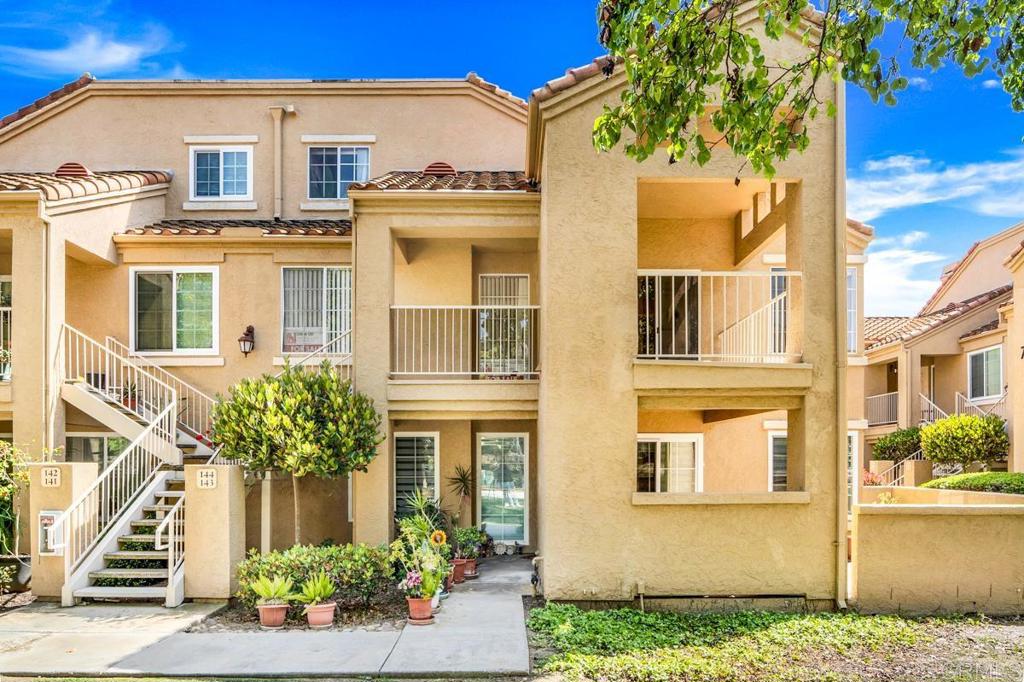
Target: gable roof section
x,y
58,94
882,331
55,187
989,326
465,181
270,228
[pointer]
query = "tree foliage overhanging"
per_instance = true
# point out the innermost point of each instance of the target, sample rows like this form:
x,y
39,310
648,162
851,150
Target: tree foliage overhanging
x,y
690,59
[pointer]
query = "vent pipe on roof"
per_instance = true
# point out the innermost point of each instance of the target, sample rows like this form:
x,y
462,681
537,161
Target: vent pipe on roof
x,y
72,169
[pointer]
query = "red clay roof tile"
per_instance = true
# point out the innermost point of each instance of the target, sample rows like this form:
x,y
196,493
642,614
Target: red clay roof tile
x,y
270,228
477,181
52,97
55,187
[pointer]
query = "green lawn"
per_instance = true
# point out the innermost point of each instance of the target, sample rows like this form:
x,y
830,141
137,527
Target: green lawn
x,y
627,645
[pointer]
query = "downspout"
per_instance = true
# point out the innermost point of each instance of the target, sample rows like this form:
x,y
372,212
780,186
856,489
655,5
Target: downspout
x,y
277,112
841,357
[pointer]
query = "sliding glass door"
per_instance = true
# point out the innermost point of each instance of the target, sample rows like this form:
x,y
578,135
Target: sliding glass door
x,y
503,476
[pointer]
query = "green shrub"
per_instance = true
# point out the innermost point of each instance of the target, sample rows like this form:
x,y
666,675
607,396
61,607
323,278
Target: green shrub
x,y
965,439
982,481
897,445
357,572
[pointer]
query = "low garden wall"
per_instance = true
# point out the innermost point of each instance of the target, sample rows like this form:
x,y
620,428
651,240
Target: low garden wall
x,y
938,551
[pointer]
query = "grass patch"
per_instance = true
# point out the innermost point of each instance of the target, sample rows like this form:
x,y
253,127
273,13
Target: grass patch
x,y
632,646
982,481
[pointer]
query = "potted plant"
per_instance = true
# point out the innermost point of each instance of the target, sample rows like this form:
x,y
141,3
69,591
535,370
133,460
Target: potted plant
x,y
418,598
469,545
129,397
316,594
13,481
274,595
462,485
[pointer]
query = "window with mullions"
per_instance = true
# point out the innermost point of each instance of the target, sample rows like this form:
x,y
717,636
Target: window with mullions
x,y
317,309
221,173
333,169
669,463
174,310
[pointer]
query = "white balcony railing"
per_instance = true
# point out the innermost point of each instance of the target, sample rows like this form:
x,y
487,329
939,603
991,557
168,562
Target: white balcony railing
x,y
982,408
5,341
883,409
468,341
930,412
741,316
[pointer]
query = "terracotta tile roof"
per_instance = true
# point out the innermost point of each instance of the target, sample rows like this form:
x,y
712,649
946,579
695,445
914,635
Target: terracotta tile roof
x,y
473,79
478,181
881,331
55,187
270,228
860,227
57,94
990,326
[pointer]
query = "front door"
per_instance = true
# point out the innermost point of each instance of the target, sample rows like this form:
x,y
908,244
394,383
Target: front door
x,y
503,476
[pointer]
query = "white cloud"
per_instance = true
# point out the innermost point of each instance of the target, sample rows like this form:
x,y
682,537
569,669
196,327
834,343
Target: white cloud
x,y
919,83
894,284
92,51
991,84
993,188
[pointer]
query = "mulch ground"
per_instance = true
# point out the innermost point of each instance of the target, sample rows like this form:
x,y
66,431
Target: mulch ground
x,y
15,600
386,614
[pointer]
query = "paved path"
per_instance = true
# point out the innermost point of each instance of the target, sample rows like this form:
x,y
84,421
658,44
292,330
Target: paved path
x,y
480,630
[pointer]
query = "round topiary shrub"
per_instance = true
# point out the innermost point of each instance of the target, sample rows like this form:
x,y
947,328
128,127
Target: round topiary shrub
x,y
966,439
897,445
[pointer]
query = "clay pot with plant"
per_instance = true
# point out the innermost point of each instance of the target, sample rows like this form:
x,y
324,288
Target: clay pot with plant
x,y
316,595
274,596
461,484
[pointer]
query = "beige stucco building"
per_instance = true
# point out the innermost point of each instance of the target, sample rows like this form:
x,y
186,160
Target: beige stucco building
x,y
655,372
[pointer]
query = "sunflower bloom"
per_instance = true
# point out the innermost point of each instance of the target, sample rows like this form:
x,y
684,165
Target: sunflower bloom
x,y
438,538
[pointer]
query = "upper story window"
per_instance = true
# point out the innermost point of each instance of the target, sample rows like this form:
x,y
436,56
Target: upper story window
x,y
174,310
985,373
221,174
778,461
852,315
333,169
316,309
670,463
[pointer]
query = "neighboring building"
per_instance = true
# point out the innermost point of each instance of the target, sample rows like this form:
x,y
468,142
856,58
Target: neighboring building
x,y
951,358
646,365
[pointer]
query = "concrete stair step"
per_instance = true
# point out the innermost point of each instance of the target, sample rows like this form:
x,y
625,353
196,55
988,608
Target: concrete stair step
x,y
158,508
147,523
129,573
94,592
136,555
168,494
137,537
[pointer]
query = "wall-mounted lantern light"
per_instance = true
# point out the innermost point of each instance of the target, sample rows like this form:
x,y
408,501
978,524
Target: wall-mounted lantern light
x,y
247,341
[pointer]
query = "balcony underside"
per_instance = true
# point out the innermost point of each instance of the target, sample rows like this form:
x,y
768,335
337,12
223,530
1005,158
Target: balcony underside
x,y
698,379
462,399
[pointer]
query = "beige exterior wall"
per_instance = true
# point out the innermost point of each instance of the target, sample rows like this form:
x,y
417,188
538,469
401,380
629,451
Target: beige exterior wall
x,y
73,480
981,271
129,127
214,548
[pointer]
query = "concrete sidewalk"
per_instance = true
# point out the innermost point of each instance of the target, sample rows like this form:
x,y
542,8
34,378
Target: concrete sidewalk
x,y
481,630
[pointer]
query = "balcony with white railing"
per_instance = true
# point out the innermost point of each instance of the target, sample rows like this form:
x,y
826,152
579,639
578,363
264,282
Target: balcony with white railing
x,y
744,317
883,409
982,407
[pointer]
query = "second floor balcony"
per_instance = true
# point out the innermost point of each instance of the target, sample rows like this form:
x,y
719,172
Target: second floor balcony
x,y
465,342
725,317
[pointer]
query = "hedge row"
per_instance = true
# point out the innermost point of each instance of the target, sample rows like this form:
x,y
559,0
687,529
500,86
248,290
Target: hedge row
x,y
982,481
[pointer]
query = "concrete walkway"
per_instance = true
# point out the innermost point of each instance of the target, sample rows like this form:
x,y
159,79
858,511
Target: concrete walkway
x,y
480,630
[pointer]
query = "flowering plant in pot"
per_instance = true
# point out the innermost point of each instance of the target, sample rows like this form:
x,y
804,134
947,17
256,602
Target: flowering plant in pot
x,y
274,595
316,595
417,551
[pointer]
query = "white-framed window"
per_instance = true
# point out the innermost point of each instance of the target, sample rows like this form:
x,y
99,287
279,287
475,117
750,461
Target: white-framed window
x,y
851,310
778,461
332,169
503,485
316,309
853,467
985,373
417,467
86,446
670,463
174,310
220,173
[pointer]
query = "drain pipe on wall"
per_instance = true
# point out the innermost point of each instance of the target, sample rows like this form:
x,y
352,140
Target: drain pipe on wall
x,y
277,112
841,350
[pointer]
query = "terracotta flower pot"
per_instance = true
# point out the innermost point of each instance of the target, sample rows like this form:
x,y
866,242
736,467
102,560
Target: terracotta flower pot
x,y
470,570
420,612
459,574
272,615
320,615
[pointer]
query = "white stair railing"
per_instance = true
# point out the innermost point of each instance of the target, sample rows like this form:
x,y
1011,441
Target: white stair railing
x,y
997,407
194,406
896,474
170,535
84,523
883,409
760,336
930,412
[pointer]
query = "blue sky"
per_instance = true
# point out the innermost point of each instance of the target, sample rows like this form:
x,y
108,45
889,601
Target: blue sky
x,y
934,174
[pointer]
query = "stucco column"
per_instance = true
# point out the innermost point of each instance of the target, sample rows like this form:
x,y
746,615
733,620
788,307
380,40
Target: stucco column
x,y
794,262
909,382
52,488
374,293
1015,367
214,529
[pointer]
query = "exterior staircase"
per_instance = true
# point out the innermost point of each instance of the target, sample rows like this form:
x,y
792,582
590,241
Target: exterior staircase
x,y
123,538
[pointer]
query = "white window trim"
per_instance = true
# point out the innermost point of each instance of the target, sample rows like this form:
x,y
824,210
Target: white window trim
x,y
526,476
696,438
772,435
436,435
174,270
332,203
985,398
193,149
221,139
323,302
852,335
342,140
